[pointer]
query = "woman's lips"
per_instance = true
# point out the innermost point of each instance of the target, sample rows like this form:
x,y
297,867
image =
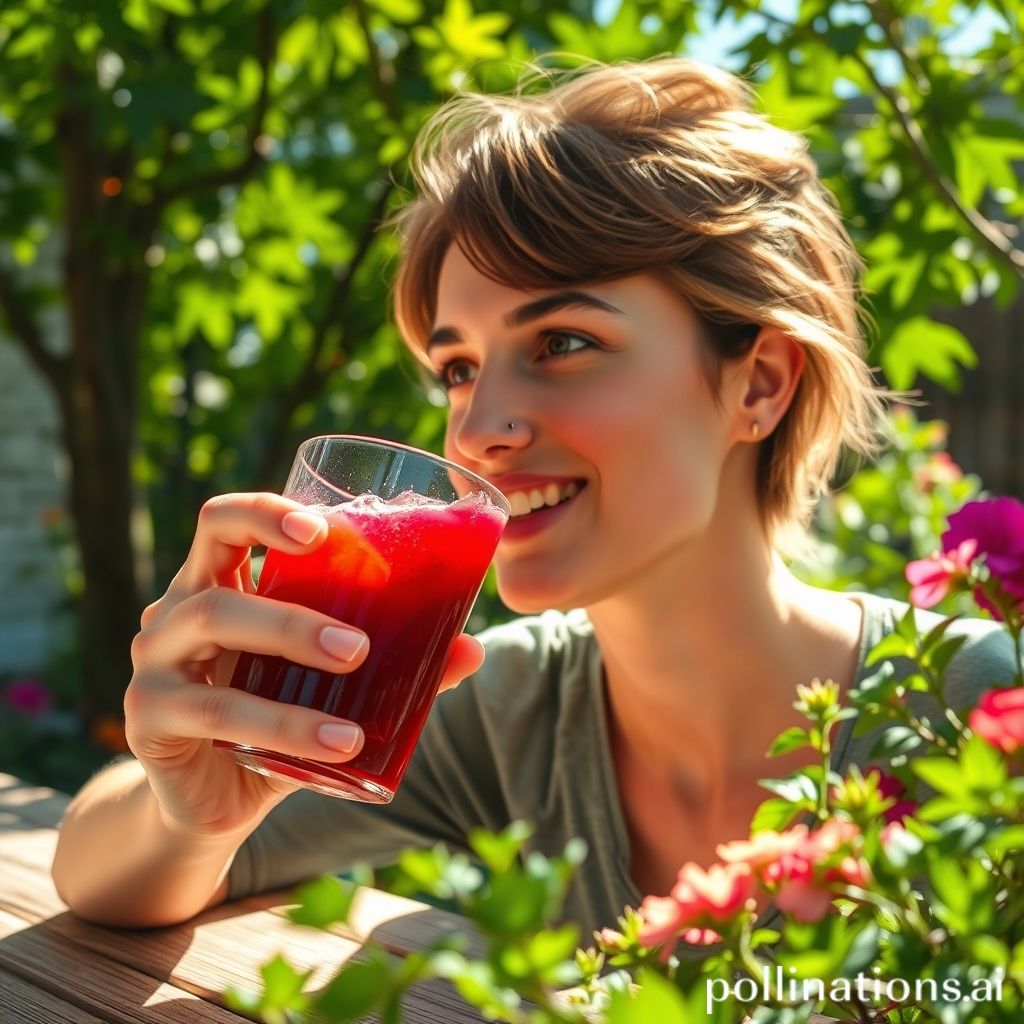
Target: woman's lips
x,y
532,523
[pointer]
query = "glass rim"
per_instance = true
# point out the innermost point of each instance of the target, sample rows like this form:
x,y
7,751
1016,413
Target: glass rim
x,y
492,492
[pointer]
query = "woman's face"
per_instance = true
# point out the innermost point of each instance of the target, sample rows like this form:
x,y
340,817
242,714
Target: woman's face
x,y
604,387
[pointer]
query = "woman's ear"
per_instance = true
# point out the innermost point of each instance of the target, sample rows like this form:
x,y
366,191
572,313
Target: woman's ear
x,y
768,379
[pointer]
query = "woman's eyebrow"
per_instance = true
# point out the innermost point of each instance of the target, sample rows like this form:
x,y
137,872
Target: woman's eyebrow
x,y
534,310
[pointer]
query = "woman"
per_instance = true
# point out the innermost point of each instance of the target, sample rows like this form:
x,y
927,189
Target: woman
x,y
642,306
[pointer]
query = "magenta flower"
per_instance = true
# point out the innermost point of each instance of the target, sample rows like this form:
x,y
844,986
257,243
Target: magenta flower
x,y
29,696
997,526
891,788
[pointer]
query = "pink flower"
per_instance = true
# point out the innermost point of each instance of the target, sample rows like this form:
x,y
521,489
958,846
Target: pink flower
x,y
997,526
999,719
939,469
763,847
716,895
663,919
803,867
804,900
29,696
612,939
700,936
892,833
933,578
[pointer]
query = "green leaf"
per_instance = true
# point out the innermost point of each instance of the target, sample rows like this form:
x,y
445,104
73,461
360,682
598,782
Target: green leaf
x,y
402,12
206,309
963,901
919,345
939,658
476,984
282,986
1006,840
891,646
323,902
935,635
183,8
29,42
548,948
425,868
792,739
983,767
943,774
512,904
656,1001
907,627
896,741
499,851
795,788
775,815
356,990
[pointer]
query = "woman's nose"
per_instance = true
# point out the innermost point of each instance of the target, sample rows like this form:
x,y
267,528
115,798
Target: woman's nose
x,y
495,419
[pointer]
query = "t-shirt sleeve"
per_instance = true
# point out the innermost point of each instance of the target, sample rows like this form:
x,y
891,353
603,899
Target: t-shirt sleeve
x,y
452,785
984,661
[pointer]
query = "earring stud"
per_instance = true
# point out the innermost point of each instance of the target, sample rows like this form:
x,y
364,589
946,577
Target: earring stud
x,y
755,430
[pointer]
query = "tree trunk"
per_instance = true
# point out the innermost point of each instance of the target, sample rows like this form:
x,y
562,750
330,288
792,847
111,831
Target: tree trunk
x,y
105,294
102,502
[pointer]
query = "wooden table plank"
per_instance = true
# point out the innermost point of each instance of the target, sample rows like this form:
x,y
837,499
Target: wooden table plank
x,y
38,805
224,946
22,1003
47,961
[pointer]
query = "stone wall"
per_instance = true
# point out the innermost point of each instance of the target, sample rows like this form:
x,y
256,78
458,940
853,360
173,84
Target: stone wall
x,y
33,625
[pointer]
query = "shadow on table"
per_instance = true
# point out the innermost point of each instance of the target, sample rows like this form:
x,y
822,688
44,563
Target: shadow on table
x,y
116,975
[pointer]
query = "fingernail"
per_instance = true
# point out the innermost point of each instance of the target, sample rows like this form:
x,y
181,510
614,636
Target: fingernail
x,y
345,644
303,526
339,737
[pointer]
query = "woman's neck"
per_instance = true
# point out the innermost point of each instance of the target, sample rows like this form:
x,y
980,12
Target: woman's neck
x,y
702,660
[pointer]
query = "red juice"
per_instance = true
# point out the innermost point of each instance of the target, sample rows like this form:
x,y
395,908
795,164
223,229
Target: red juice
x,y
407,573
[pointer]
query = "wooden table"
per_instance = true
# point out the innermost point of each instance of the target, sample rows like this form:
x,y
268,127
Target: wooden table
x,y
55,968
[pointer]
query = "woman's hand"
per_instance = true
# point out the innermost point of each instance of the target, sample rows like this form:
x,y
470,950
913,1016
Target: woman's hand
x,y
178,701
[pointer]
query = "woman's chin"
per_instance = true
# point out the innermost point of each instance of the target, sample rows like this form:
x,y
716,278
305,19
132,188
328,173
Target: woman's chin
x,y
532,600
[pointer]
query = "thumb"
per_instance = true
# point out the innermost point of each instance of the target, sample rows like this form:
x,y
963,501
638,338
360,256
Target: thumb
x,y
466,658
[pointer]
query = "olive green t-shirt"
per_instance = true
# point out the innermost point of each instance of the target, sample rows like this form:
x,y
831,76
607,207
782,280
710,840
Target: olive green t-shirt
x,y
526,738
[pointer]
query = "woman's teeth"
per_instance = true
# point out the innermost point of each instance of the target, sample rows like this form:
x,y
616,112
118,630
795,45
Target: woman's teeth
x,y
525,502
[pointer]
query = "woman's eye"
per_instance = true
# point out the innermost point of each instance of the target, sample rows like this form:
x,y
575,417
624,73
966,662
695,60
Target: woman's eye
x,y
451,374
557,345
559,342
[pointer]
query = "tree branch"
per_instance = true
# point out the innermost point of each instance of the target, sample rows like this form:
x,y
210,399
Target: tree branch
x,y
382,82
994,240
24,328
254,155
987,233
310,377
887,23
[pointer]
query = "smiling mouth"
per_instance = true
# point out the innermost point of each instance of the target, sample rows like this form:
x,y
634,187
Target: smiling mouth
x,y
573,489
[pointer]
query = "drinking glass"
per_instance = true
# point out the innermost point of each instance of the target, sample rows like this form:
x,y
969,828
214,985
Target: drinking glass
x,y
410,537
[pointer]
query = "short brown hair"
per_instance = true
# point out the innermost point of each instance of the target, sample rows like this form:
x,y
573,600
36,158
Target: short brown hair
x,y
658,167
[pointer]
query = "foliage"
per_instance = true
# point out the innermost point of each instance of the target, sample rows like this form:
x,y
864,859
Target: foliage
x,y
193,187
888,512
42,740
900,888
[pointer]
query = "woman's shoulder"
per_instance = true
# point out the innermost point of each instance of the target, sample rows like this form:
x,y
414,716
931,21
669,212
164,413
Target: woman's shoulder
x,y
537,656
538,671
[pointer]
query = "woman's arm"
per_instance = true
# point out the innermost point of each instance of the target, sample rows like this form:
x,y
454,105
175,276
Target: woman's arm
x,y
120,862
